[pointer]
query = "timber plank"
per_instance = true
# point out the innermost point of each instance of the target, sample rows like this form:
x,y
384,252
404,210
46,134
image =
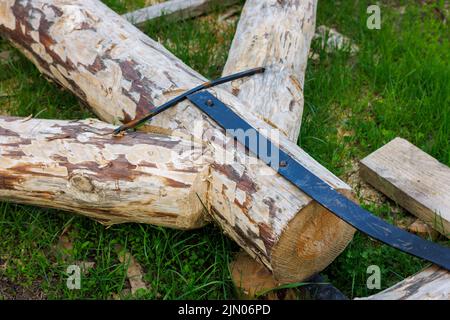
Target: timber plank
x,y
432,283
415,180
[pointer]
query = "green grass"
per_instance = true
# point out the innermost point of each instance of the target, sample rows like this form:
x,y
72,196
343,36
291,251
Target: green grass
x,y
397,85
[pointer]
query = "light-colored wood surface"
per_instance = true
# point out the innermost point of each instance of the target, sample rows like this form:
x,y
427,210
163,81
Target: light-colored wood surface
x,y
80,167
279,37
122,74
175,10
415,180
276,35
432,283
253,279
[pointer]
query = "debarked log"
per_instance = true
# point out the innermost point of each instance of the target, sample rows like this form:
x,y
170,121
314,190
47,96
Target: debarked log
x,y
277,36
175,10
122,74
80,167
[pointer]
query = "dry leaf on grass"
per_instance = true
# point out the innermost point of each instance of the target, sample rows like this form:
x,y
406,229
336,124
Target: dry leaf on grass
x,y
333,40
365,191
4,262
313,56
152,2
403,222
228,14
134,269
64,250
85,266
5,56
422,229
64,247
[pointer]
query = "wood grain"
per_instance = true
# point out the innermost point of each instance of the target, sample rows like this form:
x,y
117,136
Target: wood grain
x,y
415,180
278,36
80,167
432,283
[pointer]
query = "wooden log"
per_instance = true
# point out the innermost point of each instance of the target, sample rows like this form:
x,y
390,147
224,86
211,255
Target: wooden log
x,y
78,166
278,36
175,10
432,283
122,74
415,180
253,280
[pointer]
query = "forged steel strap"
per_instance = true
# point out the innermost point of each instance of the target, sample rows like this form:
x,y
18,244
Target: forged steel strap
x,y
137,122
318,189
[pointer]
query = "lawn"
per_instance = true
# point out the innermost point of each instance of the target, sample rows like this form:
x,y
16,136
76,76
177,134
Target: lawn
x,y
398,84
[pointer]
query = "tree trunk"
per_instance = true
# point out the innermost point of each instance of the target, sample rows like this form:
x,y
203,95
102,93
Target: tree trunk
x,y
175,10
277,36
78,166
122,74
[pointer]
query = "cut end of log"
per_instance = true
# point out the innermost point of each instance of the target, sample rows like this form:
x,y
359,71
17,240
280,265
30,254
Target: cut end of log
x,y
250,277
306,249
253,279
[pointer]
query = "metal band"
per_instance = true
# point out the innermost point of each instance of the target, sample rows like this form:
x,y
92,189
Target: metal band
x,y
320,191
138,122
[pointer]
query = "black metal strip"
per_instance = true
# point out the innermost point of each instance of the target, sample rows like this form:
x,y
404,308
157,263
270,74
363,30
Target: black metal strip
x,y
319,190
137,122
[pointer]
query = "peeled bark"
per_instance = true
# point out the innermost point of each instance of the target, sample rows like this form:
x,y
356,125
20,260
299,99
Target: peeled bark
x,y
122,74
278,36
79,166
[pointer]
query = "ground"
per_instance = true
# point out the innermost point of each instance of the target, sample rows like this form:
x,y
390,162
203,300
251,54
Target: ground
x,y
396,85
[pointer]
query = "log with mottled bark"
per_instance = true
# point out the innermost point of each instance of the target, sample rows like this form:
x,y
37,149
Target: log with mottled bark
x,y
122,74
430,284
413,179
276,35
78,166
175,10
